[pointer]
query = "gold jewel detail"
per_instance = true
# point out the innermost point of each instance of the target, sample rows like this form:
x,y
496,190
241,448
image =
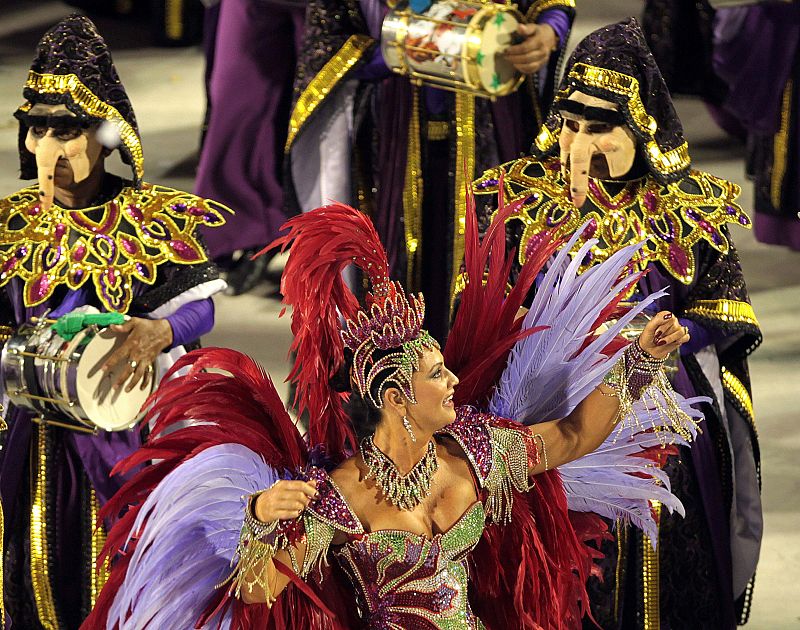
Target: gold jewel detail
x,y
736,389
780,147
40,553
464,172
403,491
665,162
730,311
412,198
123,240
540,6
670,219
651,604
514,453
325,81
92,105
98,576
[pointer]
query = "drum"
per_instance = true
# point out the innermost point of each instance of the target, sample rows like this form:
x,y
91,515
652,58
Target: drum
x,y
455,44
61,380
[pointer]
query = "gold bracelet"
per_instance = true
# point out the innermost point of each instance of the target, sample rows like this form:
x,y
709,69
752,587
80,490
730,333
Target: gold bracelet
x,y
544,449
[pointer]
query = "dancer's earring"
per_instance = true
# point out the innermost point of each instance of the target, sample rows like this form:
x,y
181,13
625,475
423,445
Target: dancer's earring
x,y
407,425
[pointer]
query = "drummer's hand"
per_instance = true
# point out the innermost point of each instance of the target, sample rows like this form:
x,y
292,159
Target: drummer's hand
x,y
662,335
146,339
533,53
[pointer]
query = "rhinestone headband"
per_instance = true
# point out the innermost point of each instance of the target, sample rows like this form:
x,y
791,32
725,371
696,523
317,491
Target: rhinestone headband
x,y
392,321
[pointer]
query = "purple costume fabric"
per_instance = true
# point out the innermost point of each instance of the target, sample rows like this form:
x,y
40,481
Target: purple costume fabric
x,y
757,53
249,93
191,321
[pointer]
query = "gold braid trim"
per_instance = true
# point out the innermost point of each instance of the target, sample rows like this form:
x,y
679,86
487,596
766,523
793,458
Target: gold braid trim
x,y
514,453
602,78
731,311
326,79
465,172
98,576
780,147
736,389
40,556
93,106
412,198
537,8
650,578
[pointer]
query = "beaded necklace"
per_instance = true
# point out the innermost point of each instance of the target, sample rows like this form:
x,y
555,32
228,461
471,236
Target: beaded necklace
x,y
404,491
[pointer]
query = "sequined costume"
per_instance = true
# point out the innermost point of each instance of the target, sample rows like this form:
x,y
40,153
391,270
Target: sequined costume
x,y
133,250
707,559
401,153
515,556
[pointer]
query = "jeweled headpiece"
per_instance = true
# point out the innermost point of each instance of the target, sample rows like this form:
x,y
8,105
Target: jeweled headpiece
x,y
614,63
73,67
393,321
386,337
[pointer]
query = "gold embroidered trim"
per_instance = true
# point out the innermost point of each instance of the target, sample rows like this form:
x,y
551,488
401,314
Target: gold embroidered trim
x,y
173,13
650,578
437,130
670,219
92,105
123,240
412,198
97,575
464,172
602,78
736,389
537,8
40,555
732,311
780,147
326,79
622,561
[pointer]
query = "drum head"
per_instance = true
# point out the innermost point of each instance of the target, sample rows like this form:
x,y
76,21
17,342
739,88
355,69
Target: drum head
x,y
108,409
496,74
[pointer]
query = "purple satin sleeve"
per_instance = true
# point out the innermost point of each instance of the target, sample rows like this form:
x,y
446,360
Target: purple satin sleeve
x,y
700,336
191,321
558,20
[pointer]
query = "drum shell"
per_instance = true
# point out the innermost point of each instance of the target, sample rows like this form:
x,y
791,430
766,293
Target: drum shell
x,y
433,69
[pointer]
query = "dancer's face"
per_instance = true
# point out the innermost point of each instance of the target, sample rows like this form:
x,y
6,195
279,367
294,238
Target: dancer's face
x,y
66,151
594,142
433,386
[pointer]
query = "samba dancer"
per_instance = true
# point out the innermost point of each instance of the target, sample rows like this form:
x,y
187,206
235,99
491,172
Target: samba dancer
x,y
612,152
404,154
83,237
406,508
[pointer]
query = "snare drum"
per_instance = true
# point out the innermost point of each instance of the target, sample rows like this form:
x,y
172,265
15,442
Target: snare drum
x,y
454,44
62,381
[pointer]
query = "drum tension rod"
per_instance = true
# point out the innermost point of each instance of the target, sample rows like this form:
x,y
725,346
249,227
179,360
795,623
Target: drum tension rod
x,y
46,357
58,401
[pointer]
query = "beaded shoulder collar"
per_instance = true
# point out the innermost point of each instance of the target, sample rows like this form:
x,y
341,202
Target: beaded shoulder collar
x,y
113,244
671,218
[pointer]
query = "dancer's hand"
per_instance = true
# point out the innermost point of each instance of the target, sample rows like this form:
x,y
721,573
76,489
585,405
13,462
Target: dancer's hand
x,y
285,500
662,335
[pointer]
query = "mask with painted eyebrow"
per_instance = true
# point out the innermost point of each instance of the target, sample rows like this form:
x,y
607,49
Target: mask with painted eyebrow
x,y
587,112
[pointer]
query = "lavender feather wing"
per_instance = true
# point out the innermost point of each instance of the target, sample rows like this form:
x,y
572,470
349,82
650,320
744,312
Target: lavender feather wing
x,y
547,376
188,529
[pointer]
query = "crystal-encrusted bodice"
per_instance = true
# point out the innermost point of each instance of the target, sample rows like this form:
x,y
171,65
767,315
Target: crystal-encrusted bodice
x,y
405,580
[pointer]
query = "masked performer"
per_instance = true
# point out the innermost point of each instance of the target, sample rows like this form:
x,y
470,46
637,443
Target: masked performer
x,y
82,238
612,152
402,153
404,508
763,79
